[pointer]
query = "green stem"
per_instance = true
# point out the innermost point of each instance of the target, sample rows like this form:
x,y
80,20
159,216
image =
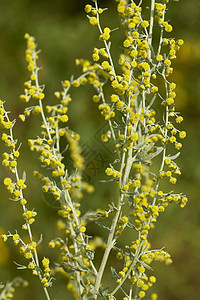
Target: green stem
x,y
109,246
129,270
150,37
105,43
28,225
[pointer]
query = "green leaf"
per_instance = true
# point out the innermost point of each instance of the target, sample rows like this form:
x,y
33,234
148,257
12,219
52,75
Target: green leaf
x,y
114,273
24,176
95,216
139,146
150,156
102,225
81,264
90,254
104,292
175,156
93,291
142,154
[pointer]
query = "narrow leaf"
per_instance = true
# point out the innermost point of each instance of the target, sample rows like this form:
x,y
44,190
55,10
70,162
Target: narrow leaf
x,y
150,156
24,176
175,156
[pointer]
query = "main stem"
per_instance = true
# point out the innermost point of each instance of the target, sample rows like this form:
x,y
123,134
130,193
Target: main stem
x,y
151,23
109,246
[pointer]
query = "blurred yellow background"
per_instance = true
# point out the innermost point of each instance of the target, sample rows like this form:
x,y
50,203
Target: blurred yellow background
x,y
63,33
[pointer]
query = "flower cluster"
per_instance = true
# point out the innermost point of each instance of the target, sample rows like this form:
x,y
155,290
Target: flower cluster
x,y
16,186
140,133
65,185
10,287
139,108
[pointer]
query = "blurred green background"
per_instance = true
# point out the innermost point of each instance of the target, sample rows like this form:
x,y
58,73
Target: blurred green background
x,y
63,33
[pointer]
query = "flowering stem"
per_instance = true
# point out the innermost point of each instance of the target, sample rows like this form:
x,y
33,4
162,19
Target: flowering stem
x,y
129,270
105,43
24,210
151,22
109,246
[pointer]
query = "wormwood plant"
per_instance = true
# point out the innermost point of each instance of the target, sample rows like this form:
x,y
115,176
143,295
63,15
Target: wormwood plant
x,y
139,108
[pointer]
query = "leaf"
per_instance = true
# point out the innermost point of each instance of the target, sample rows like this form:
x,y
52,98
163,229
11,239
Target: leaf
x,y
145,208
142,155
64,269
175,156
72,266
93,291
90,254
130,225
130,194
111,207
96,216
102,225
151,103
82,283
147,266
81,264
139,146
104,292
40,240
20,267
24,176
150,156
114,273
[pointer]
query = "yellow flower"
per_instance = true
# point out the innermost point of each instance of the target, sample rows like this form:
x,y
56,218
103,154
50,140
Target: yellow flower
x,y
141,294
145,66
45,262
170,101
180,42
82,229
15,237
126,43
88,8
20,182
168,28
159,57
154,296
135,34
182,134
173,180
172,139
134,53
93,21
105,65
172,86
154,89
167,62
95,57
109,171
145,24
179,119
16,153
41,96
7,181
168,161
64,118
178,146
31,266
4,237
124,219
152,279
